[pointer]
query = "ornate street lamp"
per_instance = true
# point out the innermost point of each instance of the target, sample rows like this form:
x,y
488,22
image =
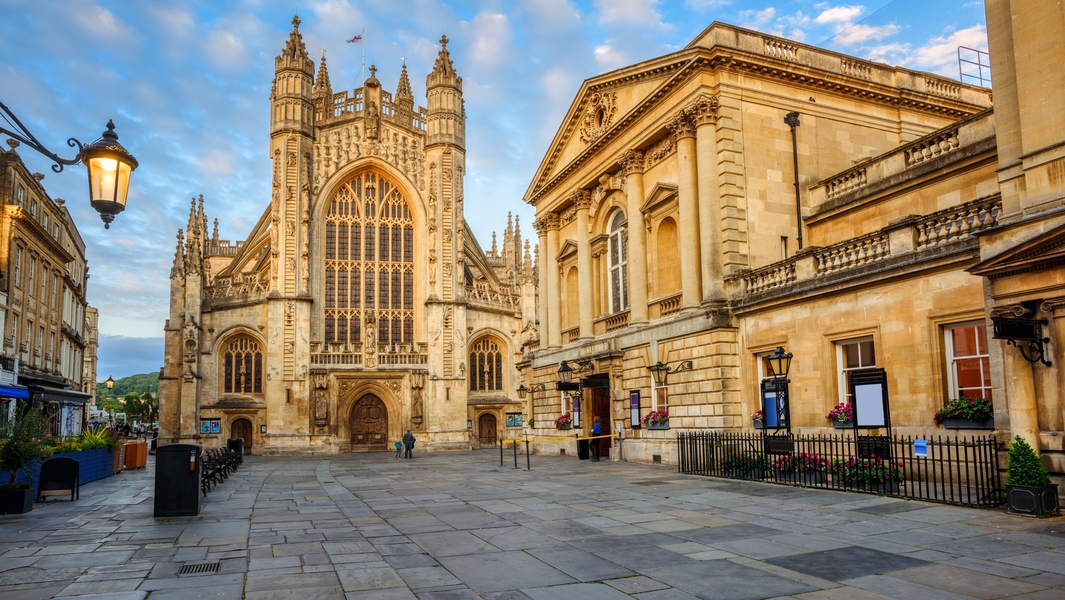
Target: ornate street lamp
x,y
110,383
779,363
779,366
524,391
661,372
109,165
565,373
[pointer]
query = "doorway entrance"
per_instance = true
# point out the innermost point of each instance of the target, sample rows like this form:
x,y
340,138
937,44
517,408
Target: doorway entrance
x,y
369,425
486,430
601,408
241,428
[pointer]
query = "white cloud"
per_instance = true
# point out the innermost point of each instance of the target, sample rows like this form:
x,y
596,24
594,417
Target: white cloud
x,y
491,43
860,34
639,12
758,19
227,51
706,4
940,54
839,14
609,57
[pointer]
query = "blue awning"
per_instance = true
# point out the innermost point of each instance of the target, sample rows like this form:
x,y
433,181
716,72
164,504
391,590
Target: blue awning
x,y
14,391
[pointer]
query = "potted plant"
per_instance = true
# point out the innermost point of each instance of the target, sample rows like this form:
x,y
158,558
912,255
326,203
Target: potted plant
x,y
873,474
21,445
757,418
745,466
801,468
842,416
656,419
967,413
1028,488
564,422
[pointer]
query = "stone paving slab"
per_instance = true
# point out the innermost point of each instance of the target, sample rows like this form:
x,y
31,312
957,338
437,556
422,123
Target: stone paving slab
x,y
456,526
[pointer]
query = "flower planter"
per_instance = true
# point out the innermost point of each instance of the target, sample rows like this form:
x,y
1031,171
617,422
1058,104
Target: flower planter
x,y
658,425
963,423
758,425
568,427
842,424
757,474
16,502
1032,500
802,477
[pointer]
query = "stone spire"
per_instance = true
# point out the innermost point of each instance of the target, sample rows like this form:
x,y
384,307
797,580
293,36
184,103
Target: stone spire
x,y
294,47
321,83
444,65
445,110
517,241
527,265
404,96
291,95
494,253
178,270
214,234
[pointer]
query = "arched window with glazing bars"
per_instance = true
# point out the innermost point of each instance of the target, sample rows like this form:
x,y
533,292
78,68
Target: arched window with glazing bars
x,y
486,366
242,366
369,262
618,264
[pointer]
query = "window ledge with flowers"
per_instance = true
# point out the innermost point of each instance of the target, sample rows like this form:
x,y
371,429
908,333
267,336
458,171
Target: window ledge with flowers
x,y
758,419
656,419
967,413
842,416
564,422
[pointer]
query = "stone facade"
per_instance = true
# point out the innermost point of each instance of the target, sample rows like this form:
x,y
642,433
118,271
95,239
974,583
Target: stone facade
x,y
914,229
360,305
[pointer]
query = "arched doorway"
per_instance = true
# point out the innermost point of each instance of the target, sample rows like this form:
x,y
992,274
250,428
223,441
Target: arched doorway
x,y
241,428
369,425
486,430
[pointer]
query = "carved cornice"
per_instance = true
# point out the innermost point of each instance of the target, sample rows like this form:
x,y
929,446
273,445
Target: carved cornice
x,y
682,126
703,110
631,162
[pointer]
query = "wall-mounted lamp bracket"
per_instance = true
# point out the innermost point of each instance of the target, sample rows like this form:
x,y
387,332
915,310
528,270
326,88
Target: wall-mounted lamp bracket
x,y
1025,334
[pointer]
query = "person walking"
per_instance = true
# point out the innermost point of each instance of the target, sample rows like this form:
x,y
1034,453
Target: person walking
x,y
399,448
596,428
408,444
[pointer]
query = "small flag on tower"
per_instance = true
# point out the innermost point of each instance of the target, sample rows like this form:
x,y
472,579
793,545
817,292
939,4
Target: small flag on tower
x,y
357,38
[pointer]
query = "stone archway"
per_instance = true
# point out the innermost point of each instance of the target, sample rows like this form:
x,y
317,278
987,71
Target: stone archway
x,y
241,428
369,425
486,430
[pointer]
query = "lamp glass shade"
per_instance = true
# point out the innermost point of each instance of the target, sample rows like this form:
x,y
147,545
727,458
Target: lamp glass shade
x,y
110,383
522,392
565,373
779,362
109,166
659,373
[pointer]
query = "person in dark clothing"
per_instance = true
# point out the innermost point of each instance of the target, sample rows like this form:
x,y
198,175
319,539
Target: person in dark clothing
x,y
596,429
408,444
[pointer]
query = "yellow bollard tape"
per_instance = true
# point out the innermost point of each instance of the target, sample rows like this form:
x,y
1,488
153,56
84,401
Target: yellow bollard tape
x,y
556,440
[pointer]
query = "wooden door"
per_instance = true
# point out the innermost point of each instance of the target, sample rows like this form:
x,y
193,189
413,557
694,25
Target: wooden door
x,y
486,430
241,428
601,409
369,425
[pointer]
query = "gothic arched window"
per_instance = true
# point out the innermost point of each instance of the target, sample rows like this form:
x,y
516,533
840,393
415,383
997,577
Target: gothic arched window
x,y
486,366
242,366
619,256
369,262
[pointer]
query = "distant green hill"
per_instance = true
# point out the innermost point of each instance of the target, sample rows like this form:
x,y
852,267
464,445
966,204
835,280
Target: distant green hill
x,y
134,384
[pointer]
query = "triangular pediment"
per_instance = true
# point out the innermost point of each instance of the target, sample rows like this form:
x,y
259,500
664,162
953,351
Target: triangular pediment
x,y
569,247
660,193
1040,252
603,107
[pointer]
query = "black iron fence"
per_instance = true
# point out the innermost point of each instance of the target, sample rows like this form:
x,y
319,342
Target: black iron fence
x,y
950,470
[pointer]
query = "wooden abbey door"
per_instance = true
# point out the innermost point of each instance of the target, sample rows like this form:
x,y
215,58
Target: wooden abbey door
x,y
241,428
601,409
369,425
486,430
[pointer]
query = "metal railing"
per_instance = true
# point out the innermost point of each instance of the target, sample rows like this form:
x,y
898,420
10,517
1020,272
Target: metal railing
x,y
962,471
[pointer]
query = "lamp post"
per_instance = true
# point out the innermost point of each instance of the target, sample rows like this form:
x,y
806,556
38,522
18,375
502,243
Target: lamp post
x,y
108,162
779,366
661,372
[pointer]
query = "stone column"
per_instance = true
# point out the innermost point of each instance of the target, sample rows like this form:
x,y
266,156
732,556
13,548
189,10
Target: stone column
x,y
1019,384
582,201
541,302
554,317
704,112
632,167
687,193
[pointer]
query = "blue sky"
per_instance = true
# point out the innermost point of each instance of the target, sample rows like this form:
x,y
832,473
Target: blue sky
x,y
187,84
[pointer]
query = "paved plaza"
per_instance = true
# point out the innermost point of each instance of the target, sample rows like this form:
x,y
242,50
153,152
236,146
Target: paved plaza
x,y
456,526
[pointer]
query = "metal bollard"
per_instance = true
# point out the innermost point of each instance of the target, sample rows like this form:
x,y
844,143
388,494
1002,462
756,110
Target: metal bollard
x,y
515,454
501,448
528,467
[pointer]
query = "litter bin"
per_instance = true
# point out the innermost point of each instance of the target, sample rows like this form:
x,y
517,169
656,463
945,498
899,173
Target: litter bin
x,y
177,480
582,449
236,445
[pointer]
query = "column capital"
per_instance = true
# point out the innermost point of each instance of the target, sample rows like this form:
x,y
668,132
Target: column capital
x,y
682,126
582,199
631,162
703,110
549,222
1053,305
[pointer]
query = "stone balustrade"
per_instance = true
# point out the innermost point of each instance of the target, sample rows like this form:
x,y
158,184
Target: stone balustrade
x,y
767,278
486,297
846,182
354,355
957,222
852,253
670,305
618,321
249,287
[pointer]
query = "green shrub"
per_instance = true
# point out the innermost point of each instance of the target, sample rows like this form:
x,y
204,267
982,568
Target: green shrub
x,y
69,445
1025,467
21,440
973,409
99,437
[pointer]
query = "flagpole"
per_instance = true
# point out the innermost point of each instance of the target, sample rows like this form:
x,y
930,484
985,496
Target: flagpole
x,y
362,72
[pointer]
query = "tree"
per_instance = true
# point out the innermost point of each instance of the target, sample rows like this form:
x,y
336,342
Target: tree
x,y
21,439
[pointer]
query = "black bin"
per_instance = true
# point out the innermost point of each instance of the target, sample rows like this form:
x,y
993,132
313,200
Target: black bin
x,y
582,449
177,480
236,445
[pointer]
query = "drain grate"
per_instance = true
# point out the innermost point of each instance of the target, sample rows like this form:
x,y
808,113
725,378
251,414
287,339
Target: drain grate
x,y
199,569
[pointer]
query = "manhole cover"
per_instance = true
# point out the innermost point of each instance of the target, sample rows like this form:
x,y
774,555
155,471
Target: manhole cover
x,y
199,569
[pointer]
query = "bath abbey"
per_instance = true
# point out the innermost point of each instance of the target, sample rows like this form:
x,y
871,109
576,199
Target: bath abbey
x,y
360,305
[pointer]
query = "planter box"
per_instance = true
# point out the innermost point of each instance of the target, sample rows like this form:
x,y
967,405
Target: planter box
x,y
1033,501
842,424
661,426
16,502
758,425
802,477
563,428
963,423
757,474
880,487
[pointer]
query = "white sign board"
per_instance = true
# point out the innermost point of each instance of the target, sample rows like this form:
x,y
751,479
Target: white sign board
x,y
869,405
